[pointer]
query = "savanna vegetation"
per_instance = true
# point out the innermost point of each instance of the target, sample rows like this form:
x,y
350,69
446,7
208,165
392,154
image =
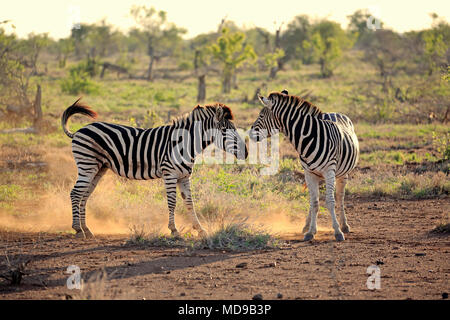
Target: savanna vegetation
x,y
393,86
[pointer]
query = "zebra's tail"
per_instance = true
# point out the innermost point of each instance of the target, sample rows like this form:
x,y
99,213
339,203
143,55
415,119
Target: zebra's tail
x,y
77,107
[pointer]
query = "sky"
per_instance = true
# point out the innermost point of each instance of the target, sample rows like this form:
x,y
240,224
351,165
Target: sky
x,y
199,16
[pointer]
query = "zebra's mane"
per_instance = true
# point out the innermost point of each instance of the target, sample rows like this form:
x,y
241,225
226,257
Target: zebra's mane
x,y
209,110
306,106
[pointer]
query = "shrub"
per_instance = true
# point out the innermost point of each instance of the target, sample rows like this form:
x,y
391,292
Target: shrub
x,y
79,81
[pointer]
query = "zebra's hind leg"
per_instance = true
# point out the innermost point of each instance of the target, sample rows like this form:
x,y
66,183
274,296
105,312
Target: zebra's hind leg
x,y
312,182
82,186
340,194
171,191
330,180
185,189
86,231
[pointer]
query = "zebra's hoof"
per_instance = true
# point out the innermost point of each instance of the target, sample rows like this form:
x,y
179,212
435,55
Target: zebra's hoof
x,y
345,229
80,235
339,236
88,234
308,237
176,234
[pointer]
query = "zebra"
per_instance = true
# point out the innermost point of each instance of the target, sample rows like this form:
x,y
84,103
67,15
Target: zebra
x,y
327,145
166,152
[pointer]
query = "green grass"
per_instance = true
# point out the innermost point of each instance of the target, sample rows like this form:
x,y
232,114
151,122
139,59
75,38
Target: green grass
x,y
10,192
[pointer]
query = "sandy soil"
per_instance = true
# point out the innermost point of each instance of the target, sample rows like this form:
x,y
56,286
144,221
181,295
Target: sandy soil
x,y
394,234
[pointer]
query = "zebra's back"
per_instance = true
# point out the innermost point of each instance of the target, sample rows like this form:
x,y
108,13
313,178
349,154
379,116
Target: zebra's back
x,y
349,150
130,152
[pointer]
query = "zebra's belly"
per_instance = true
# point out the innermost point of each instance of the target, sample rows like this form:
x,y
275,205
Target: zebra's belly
x,y
138,172
340,170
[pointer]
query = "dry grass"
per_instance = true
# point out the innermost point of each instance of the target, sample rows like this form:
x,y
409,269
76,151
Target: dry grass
x,y
237,235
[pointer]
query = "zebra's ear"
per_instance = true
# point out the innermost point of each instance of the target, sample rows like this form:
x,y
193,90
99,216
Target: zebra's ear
x,y
219,114
264,101
260,98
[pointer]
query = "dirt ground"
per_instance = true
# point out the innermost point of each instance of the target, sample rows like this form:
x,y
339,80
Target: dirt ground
x,y
414,264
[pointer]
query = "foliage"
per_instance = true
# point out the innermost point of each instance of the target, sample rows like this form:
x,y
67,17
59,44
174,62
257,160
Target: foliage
x,y
161,37
14,76
232,51
271,59
325,46
357,26
64,47
297,31
435,49
79,80
442,145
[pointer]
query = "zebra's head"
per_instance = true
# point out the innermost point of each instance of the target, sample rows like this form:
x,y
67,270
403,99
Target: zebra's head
x,y
266,124
226,136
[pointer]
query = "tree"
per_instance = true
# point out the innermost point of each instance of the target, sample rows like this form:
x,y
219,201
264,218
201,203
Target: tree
x,y
272,60
326,44
358,26
15,74
297,31
32,48
435,49
386,52
161,37
64,48
232,51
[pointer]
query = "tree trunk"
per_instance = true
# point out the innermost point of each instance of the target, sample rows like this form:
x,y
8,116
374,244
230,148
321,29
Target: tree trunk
x,y
201,88
234,81
275,69
150,69
226,84
273,72
37,108
151,54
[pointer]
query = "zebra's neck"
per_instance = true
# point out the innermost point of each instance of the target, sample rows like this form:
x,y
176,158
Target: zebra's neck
x,y
291,109
195,132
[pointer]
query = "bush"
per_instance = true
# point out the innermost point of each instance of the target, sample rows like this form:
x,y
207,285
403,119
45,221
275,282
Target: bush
x,y
79,81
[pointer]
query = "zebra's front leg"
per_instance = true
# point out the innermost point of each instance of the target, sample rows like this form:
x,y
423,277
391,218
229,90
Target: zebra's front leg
x,y
330,180
171,191
308,221
340,194
185,189
312,182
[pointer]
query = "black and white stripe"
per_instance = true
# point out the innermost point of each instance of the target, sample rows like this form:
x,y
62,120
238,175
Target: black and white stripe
x,y
166,152
327,146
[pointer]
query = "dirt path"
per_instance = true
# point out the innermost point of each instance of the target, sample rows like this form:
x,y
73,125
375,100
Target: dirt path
x,y
413,263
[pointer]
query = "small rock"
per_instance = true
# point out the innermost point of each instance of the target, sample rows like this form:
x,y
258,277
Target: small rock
x,y
182,294
379,262
279,296
257,297
445,295
420,254
242,265
271,265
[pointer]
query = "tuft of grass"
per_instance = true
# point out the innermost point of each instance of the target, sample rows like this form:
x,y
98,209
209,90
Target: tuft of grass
x,y
9,192
239,236
153,238
233,236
